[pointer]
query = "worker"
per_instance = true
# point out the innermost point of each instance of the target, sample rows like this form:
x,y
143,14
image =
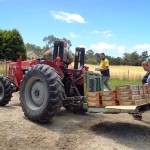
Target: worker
x,y
145,82
148,80
146,67
104,70
68,57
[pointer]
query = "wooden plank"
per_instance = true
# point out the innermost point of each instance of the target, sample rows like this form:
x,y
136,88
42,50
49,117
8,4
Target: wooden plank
x,y
109,110
132,107
117,109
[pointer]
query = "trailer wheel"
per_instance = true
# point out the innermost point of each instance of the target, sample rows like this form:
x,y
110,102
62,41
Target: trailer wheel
x,y
5,90
41,93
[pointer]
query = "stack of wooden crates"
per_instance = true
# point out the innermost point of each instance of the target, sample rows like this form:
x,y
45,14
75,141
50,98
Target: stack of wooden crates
x,y
133,94
108,98
93,99
121,95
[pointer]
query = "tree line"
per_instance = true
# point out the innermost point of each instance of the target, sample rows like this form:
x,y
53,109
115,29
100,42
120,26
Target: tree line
x,y
131,59
12,46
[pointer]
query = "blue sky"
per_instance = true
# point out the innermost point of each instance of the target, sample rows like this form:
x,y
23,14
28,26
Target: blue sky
x,y
110,26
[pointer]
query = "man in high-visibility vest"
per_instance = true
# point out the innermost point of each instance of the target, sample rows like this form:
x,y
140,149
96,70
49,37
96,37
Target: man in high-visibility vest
x,y
104,70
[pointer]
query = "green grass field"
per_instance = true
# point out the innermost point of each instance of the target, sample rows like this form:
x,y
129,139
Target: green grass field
x,y
116,82
123,75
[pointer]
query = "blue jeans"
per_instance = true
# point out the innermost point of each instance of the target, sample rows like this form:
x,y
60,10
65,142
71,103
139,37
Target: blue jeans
x,y
105,83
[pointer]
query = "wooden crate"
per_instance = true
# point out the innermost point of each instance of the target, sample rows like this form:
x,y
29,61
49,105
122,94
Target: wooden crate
x,y
129,97
109,98
124,87
93,99
148,100
125,103
140,87
143,101
93,104
106,93
148,90
108,103
93,94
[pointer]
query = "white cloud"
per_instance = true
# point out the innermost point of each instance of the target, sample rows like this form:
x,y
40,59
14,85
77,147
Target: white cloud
x,y
73,35
107,33
117,50
110,35
82,45
95,32
67,17
102,46
121,49
110,49
142,47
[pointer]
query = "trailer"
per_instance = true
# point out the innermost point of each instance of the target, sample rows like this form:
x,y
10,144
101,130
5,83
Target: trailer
x,y
137,96
121,109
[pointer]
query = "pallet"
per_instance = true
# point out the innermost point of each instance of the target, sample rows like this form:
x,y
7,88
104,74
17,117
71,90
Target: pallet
x,y
120,109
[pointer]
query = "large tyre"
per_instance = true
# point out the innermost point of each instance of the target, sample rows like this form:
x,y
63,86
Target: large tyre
x,y
5,90
41,93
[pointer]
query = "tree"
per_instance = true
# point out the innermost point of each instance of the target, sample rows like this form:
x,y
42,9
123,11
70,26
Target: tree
x,y
91,61
51,38
144,56
97,55
118,61
1,44
90,58
132,59
90,52
45,48
126,59
12,45
68,42
33,47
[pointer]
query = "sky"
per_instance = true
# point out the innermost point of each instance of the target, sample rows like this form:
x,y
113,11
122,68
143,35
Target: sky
x,y
114,27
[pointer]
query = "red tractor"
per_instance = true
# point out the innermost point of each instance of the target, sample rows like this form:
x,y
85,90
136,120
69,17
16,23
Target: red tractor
x,y
45,86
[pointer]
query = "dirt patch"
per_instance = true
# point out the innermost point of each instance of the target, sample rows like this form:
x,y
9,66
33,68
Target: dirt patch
x,y
68,131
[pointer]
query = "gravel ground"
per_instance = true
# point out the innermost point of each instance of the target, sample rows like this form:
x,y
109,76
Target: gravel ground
x,y
67,131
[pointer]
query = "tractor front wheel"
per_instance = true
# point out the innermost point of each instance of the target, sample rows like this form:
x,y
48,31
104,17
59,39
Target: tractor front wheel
x,y
5,90
41,93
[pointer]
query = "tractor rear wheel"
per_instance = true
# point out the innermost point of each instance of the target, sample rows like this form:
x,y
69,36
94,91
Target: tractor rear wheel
x,y
5,90
41,93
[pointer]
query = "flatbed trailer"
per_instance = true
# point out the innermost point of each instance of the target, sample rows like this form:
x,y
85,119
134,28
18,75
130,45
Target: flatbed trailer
x,y
120,109
93,84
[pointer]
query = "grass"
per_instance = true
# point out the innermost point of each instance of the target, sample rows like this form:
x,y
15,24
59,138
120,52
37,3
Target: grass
x,y
123,75
116,82
123,72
